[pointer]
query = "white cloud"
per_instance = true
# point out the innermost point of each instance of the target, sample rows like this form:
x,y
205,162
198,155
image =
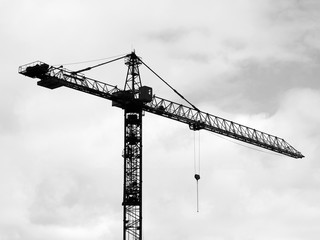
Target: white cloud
x,y
61,165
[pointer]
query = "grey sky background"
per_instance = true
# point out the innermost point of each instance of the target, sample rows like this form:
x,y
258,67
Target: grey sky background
x,y
253,62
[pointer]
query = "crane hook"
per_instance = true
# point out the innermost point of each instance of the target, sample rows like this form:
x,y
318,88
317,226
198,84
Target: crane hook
x,y
197,176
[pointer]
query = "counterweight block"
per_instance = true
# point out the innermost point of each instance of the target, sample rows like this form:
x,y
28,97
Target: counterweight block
x,y
50,82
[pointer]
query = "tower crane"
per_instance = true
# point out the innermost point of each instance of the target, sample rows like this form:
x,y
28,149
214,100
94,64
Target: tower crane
x,y
135,99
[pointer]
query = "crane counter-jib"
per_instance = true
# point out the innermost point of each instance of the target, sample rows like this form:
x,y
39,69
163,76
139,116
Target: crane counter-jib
x,y
54,77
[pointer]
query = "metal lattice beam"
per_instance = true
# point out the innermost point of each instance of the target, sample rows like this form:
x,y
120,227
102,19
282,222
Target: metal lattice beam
x,y
132,186
201,120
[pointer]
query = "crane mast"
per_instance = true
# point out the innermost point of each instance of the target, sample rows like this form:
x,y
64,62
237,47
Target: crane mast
x,y
134,99
132,154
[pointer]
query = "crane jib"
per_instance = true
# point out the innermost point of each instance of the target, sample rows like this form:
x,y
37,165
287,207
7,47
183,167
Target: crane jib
x,y
200,120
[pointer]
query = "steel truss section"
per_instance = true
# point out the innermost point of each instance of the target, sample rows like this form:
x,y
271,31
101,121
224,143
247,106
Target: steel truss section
x,y
201,120
132,187
133,81
53,77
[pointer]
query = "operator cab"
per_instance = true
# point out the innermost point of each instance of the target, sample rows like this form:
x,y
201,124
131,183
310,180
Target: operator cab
x,y
145,94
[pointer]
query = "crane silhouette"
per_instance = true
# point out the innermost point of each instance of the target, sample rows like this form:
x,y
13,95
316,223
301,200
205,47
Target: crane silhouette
x,y
135,99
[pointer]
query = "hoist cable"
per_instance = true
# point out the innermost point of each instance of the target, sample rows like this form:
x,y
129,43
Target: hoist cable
x,y
169,86
197,196
194,152
197,164
197,152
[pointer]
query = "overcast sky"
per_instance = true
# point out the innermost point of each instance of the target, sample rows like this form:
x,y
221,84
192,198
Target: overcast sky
x,y
253,62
